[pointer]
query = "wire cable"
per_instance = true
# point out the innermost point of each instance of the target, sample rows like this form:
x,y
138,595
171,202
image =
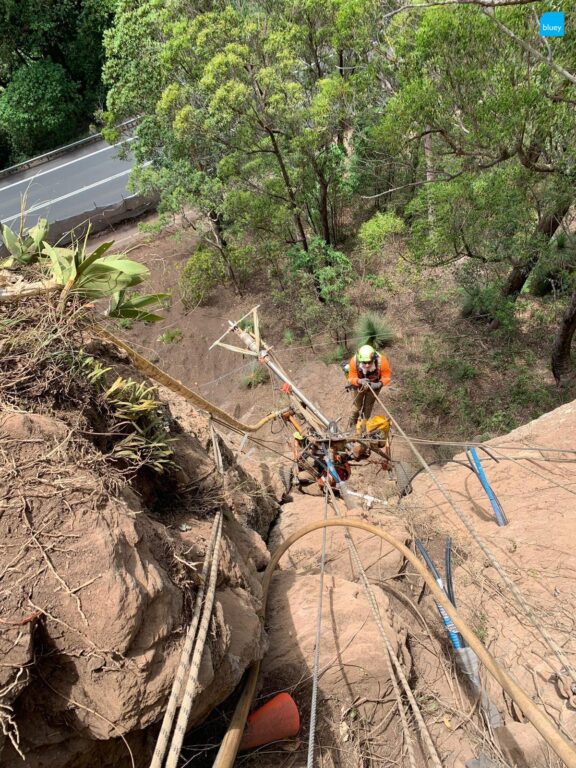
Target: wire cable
x,y
394,666
465,519
539,719
316,668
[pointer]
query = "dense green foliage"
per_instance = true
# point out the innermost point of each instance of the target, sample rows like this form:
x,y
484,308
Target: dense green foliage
x,y
292,128
51,54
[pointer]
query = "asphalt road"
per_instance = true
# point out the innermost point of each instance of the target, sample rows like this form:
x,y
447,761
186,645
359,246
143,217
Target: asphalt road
x,y
69,185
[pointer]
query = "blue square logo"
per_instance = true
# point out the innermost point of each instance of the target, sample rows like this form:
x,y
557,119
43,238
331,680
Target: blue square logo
x,y
552,24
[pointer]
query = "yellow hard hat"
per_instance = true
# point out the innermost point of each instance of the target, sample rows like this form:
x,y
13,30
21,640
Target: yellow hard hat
x,y
366,354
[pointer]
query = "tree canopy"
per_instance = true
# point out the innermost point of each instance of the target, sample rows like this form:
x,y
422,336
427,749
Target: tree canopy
x,y
286,124
51,54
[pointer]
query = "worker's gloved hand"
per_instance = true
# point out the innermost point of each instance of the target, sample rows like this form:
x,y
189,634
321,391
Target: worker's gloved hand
x,y
364,384
376,386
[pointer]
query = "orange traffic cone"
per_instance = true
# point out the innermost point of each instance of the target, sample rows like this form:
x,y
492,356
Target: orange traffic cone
x,y
276,720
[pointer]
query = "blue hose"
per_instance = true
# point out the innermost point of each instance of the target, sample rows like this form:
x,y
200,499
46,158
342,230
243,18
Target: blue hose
x,y
453,633
479,470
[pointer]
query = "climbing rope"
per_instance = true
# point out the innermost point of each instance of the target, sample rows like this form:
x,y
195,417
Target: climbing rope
x,y
216,449
316,668
539,719
394,666
465,519
184,665
500,448
192,682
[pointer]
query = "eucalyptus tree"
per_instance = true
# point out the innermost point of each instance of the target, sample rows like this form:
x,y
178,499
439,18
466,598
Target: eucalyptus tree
x,y
482,134
249,114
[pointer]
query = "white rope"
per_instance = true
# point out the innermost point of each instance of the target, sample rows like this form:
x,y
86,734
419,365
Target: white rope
x,y
183,666
526,608
316,669
216,448
192,683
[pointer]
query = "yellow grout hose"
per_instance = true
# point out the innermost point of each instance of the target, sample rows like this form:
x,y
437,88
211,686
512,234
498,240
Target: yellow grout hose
x,y
543,724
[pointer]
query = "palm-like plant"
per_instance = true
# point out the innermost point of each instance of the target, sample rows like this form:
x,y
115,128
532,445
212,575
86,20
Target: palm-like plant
x,y
75,271
24,248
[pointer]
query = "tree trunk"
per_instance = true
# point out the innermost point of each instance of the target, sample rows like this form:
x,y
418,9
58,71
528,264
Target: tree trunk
x,y
324,213
294,206
222,246
520,272
563,342
289,189
430,175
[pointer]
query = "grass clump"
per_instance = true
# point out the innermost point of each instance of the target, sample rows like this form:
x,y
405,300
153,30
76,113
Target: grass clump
x,y
257,375
337,354
372,328
171,336
247,324
136,418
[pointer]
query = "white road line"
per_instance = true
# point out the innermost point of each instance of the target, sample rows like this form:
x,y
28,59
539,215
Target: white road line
x,y
39,206
63,165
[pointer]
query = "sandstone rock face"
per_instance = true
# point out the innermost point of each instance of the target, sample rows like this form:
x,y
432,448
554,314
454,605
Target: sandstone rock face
x,y
351,648
96,597
536,550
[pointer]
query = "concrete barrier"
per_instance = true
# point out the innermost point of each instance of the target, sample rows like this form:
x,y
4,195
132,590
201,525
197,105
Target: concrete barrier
x,y
60,151
99,219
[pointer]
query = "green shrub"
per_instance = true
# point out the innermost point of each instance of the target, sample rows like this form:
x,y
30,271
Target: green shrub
x,y
378,232
202,273
460,370
555,271
246,324
373,329
488,303
288,337
380,282
171,336
336,354
331,269
258,375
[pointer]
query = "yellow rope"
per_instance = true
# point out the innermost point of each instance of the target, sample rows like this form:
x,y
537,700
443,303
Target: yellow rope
x,y
161,377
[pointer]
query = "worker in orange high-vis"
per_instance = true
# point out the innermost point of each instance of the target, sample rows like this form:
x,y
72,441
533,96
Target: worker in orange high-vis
x,y
368,371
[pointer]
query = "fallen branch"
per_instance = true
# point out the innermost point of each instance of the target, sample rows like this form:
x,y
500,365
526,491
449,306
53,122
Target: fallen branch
x,y
27,290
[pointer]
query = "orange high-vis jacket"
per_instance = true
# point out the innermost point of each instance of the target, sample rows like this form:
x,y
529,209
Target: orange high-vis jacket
x,y
382,372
